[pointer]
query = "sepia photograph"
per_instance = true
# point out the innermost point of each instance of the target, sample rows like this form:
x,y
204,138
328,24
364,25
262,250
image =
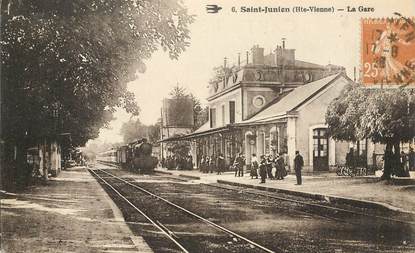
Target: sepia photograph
x,y
209,126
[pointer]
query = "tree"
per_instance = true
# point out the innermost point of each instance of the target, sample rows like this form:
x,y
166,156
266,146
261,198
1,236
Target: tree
x,y
65,64
154,132
200,115
94,147
180,150
344,113
221,72
384,116
134,129
178,92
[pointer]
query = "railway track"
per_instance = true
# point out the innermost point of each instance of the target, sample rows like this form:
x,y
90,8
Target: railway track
x,y
245,243
311,204
319,206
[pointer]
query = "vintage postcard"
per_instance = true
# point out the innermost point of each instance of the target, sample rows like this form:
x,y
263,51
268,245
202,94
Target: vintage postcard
x,y
207,126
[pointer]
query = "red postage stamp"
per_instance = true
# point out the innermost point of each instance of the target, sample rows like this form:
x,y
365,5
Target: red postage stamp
x,y
388,51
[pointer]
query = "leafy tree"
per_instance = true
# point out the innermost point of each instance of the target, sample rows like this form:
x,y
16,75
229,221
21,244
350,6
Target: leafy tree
x,y
65,64
221,72
94,147
200,115
180,150
178,92
154,132
134,129
343,114
384,116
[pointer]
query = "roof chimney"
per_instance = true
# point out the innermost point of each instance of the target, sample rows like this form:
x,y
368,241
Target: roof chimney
x,y
247,57
284,56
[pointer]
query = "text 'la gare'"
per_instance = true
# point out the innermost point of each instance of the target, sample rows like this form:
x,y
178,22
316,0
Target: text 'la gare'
x,y
360,9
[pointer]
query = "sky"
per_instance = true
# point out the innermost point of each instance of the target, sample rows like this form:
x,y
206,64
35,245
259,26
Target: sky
x,y
320,38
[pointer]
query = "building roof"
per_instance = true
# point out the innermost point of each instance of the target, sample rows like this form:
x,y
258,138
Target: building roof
x,y
292,100
278,109
202,128
304,64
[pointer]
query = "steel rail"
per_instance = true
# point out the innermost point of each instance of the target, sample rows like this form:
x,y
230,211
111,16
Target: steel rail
x,y
193,214
315,205
332,208
256,194
166,233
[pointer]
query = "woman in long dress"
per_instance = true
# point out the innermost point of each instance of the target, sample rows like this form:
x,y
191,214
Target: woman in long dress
x,y
254,167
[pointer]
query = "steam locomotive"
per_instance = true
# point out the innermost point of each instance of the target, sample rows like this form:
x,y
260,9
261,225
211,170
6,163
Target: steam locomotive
x,y
136,156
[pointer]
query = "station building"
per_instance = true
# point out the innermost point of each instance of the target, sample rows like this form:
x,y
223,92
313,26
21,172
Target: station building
x,y
274,104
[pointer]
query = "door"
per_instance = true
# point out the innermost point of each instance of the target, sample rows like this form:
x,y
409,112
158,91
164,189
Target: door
x,y
320,150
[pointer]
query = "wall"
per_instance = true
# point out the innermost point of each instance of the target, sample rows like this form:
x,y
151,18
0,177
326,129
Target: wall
x,y
249,93
224,100
342,147
312,114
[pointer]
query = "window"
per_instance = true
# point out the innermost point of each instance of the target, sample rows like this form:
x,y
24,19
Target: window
x,y
320,145
360,152
231,112
359,147
258,101
212,117
223,115
362,147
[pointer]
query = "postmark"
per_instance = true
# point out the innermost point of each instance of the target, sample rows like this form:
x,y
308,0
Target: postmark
x,y
388,51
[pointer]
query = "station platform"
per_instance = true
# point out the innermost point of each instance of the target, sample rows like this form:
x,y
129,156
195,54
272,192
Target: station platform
x,y
396,195
71,213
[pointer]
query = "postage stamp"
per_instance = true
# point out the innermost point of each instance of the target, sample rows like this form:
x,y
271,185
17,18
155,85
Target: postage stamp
x,y
388,51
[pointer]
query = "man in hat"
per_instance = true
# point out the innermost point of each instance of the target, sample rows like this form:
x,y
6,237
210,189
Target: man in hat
x,y
298,166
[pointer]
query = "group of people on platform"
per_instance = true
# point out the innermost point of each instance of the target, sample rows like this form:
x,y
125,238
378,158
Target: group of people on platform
x,y
177,162
274,168
211,164
268,166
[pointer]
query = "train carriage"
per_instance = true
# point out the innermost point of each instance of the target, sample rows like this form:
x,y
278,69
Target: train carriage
x,y
136,156
109,157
